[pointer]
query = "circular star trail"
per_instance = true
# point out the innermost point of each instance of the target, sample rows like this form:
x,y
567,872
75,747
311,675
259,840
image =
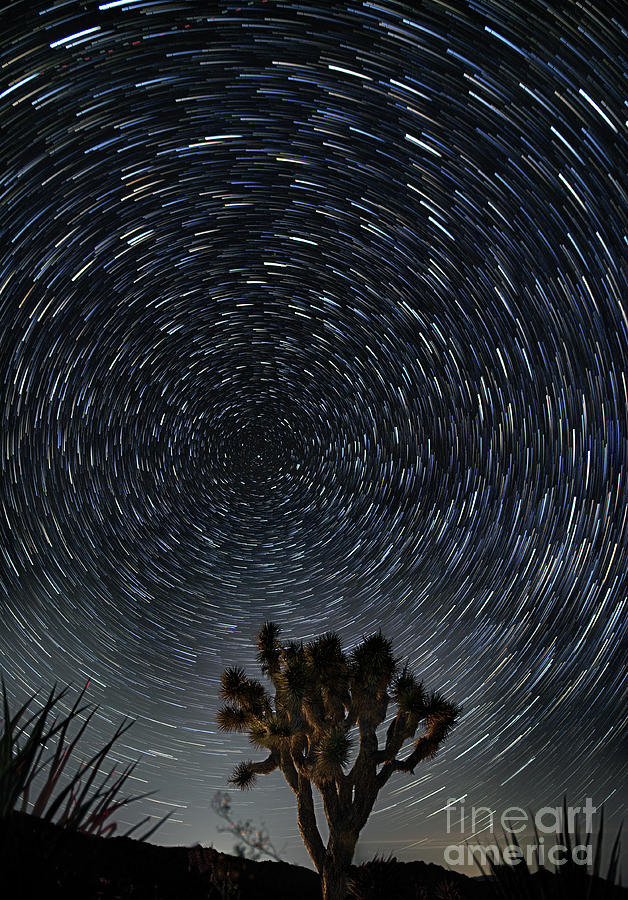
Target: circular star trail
x,y
313,313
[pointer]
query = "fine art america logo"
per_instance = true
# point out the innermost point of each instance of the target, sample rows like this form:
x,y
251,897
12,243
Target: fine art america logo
x,y
550,820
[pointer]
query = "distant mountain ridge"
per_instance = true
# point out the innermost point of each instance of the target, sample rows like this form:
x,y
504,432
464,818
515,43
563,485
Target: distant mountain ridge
x,y
43,861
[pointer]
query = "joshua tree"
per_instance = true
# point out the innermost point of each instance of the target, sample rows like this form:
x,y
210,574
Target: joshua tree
x,y
323,700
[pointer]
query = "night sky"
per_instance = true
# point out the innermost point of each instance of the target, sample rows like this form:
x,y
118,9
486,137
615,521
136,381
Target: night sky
x,y
312,312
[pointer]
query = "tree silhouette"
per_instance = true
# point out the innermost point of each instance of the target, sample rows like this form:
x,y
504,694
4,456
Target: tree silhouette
x,y
323,701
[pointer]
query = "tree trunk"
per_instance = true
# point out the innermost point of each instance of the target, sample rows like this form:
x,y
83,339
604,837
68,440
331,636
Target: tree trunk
x,y
337,861
307,824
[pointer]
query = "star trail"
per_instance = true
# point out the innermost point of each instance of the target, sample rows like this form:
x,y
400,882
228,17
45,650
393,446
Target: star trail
x,y
315,312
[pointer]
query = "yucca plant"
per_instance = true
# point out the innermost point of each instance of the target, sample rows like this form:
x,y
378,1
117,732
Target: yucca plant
x,y
569,881
325,700
83,803
373,878
384,876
